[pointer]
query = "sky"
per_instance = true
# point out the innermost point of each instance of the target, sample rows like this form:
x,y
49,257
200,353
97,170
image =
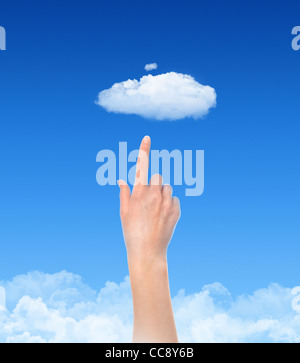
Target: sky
x,y
243,231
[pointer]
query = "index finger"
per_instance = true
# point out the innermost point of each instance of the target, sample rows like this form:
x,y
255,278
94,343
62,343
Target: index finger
x,y
142,165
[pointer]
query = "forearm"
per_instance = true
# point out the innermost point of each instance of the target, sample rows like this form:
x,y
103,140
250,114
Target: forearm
x,y
153,313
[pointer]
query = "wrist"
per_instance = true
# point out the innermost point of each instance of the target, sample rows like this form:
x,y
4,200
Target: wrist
x,y
141,265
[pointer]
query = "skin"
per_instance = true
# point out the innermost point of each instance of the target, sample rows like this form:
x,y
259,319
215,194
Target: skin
x,y
149,216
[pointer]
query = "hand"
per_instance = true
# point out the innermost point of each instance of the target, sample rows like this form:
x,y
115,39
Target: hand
x,y
149,217
150,214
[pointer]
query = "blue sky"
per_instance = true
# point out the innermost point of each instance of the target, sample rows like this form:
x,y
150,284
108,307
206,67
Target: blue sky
x,y
244,230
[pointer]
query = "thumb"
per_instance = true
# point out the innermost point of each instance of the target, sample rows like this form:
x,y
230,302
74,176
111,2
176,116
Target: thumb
x,y
124,196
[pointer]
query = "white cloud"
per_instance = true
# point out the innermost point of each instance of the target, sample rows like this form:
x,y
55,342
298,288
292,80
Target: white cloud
x,y
168,96
61,308
150,66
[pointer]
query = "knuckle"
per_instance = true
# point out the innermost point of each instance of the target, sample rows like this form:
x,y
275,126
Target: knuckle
x,y
138,190
156,195
167,203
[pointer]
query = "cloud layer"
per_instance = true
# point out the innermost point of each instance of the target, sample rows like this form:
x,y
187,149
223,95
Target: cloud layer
x,y
168,96
61,308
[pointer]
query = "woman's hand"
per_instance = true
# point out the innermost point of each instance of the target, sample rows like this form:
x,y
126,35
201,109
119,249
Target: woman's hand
x,y
150,214
149,217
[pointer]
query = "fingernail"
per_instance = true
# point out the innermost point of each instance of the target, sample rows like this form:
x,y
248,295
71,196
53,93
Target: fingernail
x,y
121,182
147,139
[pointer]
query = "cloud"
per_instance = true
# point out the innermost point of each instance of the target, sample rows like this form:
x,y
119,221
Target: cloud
x,y
61,308
168,96
214,316
150,66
